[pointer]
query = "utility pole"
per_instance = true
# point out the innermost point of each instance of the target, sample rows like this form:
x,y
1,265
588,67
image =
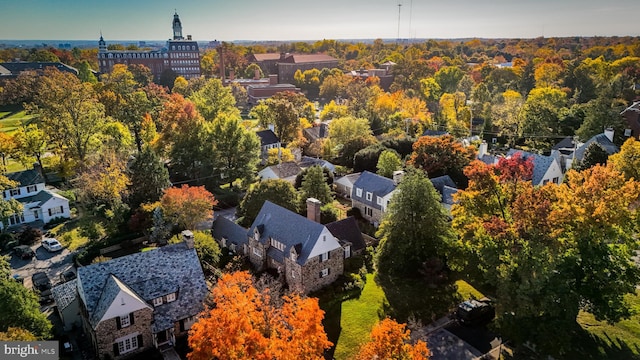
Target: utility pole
x,y
399,7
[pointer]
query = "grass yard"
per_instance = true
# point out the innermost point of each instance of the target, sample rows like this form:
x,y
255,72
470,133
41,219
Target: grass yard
x,y
10,121
348,323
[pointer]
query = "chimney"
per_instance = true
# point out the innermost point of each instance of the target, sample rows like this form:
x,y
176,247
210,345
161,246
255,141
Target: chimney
x,y
271,127
313,209
608,132
397,176
188,238
482,149
273,79
256,74
188,37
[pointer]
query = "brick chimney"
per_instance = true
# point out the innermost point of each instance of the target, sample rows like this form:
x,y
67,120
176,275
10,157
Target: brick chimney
x,y
313,209
256,74
188,238
273,79
397,176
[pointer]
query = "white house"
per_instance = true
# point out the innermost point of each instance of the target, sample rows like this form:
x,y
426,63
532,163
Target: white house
x,y
344,185
41,205
545,168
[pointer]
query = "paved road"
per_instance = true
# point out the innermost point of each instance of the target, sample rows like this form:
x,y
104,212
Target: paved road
x,y
53,264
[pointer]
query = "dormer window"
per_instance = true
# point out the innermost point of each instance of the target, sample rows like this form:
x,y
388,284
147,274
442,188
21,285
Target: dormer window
x,y
378,200
369,196
31,188
157,301
294,257
14,192
171,297
358,192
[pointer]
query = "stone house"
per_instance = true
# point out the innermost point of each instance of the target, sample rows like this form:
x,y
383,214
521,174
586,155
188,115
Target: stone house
x,y
40,205
372,193
140,301
230,235
301,249
344,185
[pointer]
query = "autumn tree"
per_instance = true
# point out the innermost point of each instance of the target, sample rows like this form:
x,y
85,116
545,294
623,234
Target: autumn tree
x,y
390,340
627,161
187,206
148,178
388,162
414,229
104,182
280,113
548,251
507,116
277,191
350,135
7,147
70,113
247,323
442,155
214,99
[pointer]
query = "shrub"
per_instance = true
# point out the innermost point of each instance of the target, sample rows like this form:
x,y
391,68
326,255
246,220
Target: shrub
x,y
29,236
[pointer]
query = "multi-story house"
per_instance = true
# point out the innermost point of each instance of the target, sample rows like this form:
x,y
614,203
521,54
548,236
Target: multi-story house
x,y
301,249
372,193
268,140
144,300
40,205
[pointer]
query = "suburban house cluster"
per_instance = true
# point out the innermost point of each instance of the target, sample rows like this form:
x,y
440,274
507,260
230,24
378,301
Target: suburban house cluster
x,y
40,204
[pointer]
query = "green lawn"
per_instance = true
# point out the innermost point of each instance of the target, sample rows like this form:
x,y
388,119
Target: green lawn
x,y
348,323
10,121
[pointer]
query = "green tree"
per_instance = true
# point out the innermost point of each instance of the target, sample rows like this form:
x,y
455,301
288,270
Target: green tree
x,y
213,100
350,135
253,70
599,114
314,185
280,113
31,142
85,74
541,116
388,162
448,78
236,150
414,229
506,115
277,191
148,178
594,154
19,307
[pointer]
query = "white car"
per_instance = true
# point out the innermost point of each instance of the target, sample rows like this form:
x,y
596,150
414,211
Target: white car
x,y
51,245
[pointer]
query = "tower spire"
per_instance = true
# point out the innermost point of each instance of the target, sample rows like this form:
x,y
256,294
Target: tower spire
x,y
177,27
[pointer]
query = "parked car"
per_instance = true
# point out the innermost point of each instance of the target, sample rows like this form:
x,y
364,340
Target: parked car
x,y
67,275
24,252
52,245
475,313
42,285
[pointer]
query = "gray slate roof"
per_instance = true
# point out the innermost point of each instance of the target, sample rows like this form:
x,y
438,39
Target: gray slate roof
x,y
286,169
541,164
26,177
446,187
308,161
348,230
149,274
40,198
267,137
601,139
17,67
373,183
65,293
287,227
317,132
225,228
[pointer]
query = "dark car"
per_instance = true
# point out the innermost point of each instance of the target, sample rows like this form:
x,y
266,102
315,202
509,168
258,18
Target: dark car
x,y
67,276
24,252
42,285
475,313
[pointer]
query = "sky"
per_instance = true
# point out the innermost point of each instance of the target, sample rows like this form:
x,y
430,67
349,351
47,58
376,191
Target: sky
x,y
232,20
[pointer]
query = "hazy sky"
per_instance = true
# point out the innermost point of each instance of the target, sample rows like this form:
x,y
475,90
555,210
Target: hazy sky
x,y
312,20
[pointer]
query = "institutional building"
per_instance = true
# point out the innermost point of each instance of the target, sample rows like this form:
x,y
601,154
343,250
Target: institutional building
x,y
180,55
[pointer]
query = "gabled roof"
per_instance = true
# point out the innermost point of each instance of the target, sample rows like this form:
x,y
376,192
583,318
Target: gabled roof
x,y
601,139
267,137
317,132
308,58
41,198
17,67
541,164
447,195
284,170
349,179
270,56
435,133
227,229
113,286
441,181
26,177
348,230
566,143
287,227
308,161
148,274
373,183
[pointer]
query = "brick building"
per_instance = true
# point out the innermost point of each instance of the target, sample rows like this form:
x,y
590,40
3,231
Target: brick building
x,y
180,55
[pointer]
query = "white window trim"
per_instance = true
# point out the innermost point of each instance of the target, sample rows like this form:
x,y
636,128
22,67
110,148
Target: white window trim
x,y
325,273
125,321
378,200
324,257
358,192
132,343
257,252
369,196
157,301
171,297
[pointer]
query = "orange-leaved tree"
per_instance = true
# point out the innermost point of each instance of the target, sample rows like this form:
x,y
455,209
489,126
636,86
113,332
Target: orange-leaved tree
x,y
187,206
390,340
246,324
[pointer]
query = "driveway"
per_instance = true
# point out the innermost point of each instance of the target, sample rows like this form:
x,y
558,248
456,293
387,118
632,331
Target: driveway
x,y
53,264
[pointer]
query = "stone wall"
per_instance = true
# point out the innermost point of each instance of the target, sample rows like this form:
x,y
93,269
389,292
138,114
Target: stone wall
x,y
376,214
311,280
107,332
258,262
